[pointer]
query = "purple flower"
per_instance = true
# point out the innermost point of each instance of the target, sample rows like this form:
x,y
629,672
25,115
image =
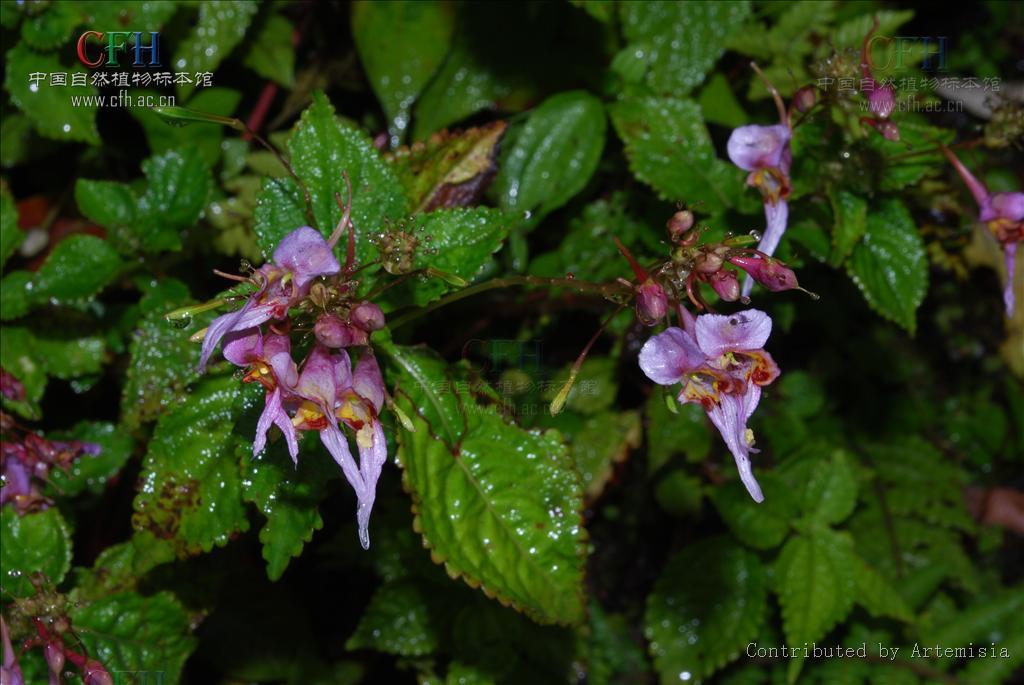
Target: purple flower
x,y
302,256
721,363
10,671
1003,213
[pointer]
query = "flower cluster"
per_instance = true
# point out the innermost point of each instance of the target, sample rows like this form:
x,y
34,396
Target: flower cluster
x,y
1003,213
56,652
323,392
26,460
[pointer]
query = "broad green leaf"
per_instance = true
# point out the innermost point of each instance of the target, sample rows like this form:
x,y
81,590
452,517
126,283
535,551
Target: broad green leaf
x,y
180,183
127,632
401,619
322,147
91,472
287,495
764,525
19,357
719,104
875,594
500,506
206,139
271,53
850,213
51,28
851,33
220,27
890,265
816,583
916,154
685,432
401,44
11,236
610,650
190,493
602,441
77,268
52,109
108,203
829,489
553,156
421,375
706,606
21,143
679,42
668,148
38,542
449,169
984,621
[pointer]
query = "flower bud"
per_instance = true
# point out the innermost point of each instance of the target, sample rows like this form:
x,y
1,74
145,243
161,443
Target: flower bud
x,y
726,285
368,317
54,653
93,673
882,101
771,273
889,130
651,303
805,98
708,262
331,331
679,224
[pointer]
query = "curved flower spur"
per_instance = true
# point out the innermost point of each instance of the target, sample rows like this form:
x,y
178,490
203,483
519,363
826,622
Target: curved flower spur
x,y
305,289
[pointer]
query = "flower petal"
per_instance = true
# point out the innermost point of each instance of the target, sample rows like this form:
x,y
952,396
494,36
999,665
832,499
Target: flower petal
x,y
319,380
776,216
1009,206
746,330
371,461
758,147
242,348
368,382
730,416
277,353
1010,250
306,254
248,316
667,357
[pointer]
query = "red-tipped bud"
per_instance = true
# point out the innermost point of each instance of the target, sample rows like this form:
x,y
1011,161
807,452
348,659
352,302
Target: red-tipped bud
x,y
771,273
889,130
651,303
882,101
54,653
708,262
93,673
679,224
805,98
726,285
368,317
331,331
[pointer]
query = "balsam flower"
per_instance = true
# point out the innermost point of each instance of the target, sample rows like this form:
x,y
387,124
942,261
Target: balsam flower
x,y
302,256
1003,213
721,364
10,670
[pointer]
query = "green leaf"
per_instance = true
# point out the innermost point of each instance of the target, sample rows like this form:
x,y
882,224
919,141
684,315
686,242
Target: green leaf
x,y
668,148
204,138
815,581
706,606
890,265
34,543
916,154
11,236
51,28
875,594
220,27
399,620
129,633
829,488
271,53
603,441
851,213
322,147
498,505
719,105
51,109
180,183
401,44
90,472
679,42
668,434
18,356
108,203
190,497
287,496
553,156
764,525
610,651
146,15
449,169
594,389
77,268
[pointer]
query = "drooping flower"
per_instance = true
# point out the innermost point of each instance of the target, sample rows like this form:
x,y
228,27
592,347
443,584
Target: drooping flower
x,y
301,256
721,364
1003,214
10,671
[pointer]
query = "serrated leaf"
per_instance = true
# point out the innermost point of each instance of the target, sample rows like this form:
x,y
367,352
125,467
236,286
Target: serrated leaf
x,y
890,265
322,147
829,489
850,213
11,236
399,620
815,582
875,594
220,27
449,169
916,154
287,496
190,494
38,542
553,156
18,357
401,44
271,53
129,633
180,183
107,203
501,507
50,108
669,149
707,605
77,268
764,525
91,472
601,442
680,41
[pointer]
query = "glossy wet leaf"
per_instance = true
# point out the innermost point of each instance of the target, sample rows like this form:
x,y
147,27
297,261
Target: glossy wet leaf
x,y
10,235
829,487
761,526
108,203
610,649
602,441
850,213
679,42
449,169
19,357
219,28
203,138
78,267
38,542
890,265
706,606
668,148
684,433
553,156
400,619
50,108
498,505
91,472
180,183
127,632
190,493
401,44
271,53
